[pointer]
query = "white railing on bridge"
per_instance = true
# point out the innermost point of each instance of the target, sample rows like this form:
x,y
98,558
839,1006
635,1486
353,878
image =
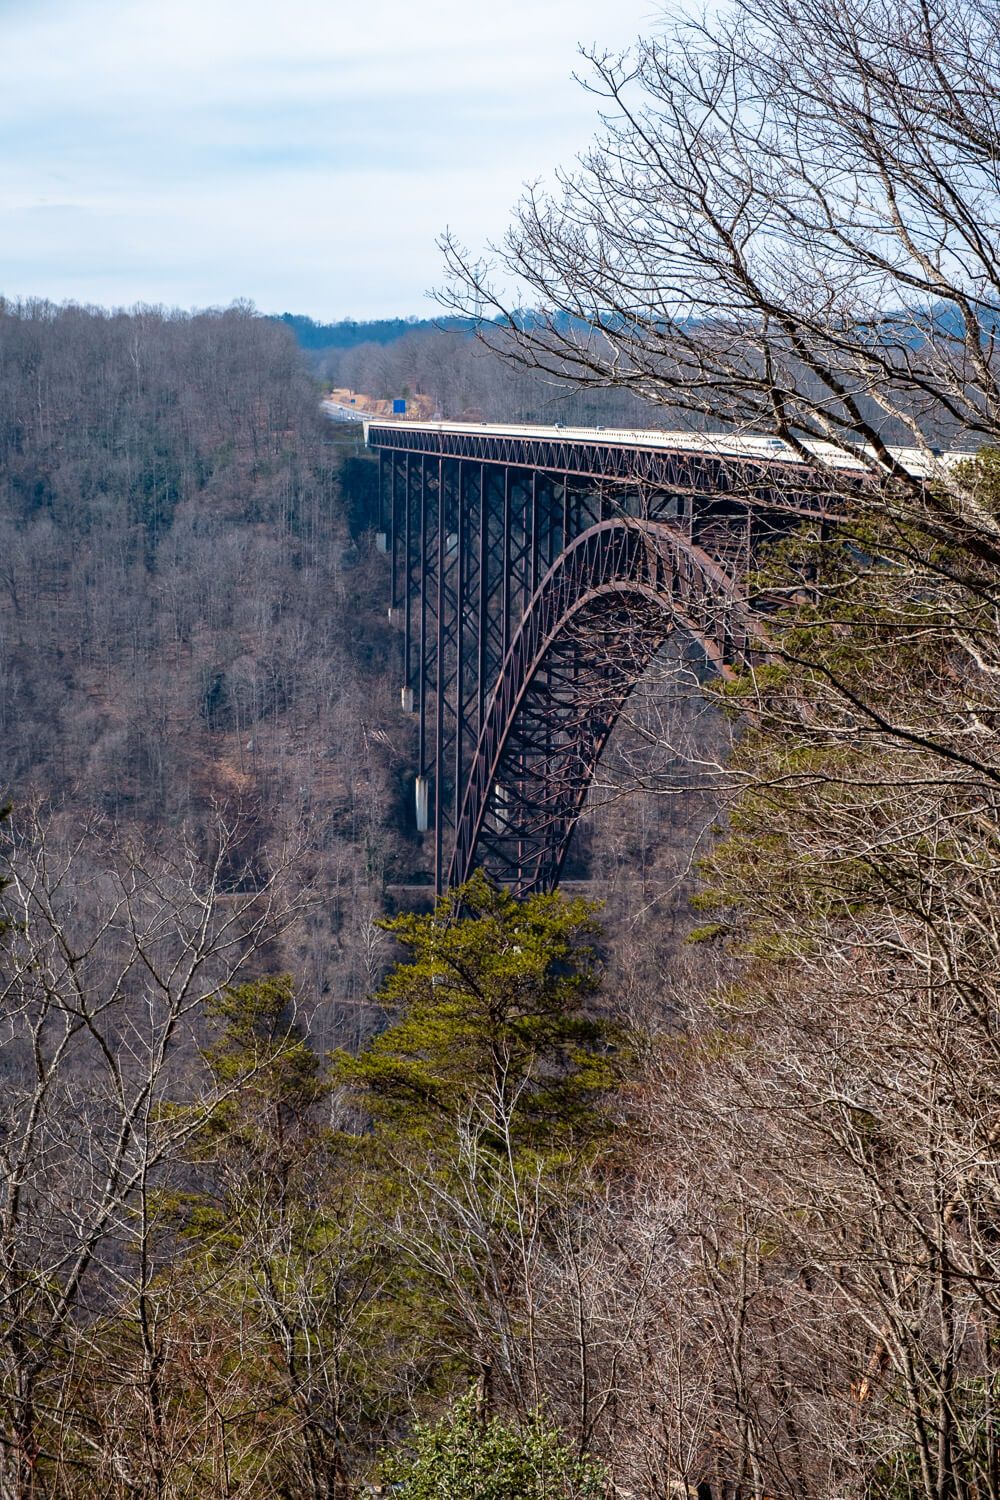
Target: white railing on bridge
x,y
921,462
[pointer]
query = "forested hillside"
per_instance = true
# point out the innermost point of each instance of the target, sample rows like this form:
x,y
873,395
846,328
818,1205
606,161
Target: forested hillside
x,y
514,1200
187,630
322,338
230,1264
465,378
192,621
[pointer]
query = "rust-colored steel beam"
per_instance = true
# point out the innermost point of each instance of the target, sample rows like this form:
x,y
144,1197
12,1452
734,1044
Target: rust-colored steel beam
x,y
596,620
533,581
750,480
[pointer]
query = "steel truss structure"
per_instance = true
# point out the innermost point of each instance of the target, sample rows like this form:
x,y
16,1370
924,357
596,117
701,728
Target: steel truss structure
x,y
534,580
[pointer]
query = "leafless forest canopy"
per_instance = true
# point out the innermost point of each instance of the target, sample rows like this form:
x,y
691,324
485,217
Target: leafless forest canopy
x,y
211,784
193,616
467,380
629,1210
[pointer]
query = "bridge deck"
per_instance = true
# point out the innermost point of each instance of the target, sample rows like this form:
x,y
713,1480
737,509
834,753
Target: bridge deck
x,y
494,441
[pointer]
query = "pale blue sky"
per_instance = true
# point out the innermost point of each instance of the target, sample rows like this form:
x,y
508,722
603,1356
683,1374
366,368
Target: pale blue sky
x,y
301,153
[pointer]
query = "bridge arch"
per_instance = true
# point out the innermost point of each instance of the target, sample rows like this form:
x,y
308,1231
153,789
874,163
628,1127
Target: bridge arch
x,y
594,624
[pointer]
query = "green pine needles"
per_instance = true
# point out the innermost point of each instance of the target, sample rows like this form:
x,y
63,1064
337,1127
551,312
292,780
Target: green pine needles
x,y
463,1457
496,1026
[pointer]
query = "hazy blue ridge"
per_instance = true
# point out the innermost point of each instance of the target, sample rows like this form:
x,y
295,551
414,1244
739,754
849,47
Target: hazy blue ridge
x,y
347,333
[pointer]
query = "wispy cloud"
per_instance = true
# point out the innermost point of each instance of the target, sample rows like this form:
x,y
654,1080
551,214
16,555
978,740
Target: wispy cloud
x,y
304,154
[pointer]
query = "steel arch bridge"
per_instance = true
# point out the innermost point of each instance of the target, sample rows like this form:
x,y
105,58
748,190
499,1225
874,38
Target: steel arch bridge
x,y
535,573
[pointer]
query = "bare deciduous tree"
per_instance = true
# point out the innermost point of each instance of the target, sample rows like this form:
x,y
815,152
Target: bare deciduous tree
x,y
110,957
789,224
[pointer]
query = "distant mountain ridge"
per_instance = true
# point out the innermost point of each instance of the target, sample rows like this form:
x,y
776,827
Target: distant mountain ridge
x,y
348,334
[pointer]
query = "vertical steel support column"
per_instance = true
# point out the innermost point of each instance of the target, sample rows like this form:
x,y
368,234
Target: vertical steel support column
x,y
525,562
408,587
393,530
482,686
526,546
439,682
424,585
505,575
533,540
555,540
380,503
547,539
461,605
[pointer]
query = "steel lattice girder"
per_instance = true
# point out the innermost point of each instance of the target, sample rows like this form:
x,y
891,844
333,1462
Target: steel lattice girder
x,y
595,622
473,544
789,485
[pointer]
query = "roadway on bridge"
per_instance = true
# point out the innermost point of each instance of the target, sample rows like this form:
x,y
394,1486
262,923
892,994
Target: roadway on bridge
x,y
921,462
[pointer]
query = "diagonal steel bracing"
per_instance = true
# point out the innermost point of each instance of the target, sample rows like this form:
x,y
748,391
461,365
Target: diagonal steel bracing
x,y
533,582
